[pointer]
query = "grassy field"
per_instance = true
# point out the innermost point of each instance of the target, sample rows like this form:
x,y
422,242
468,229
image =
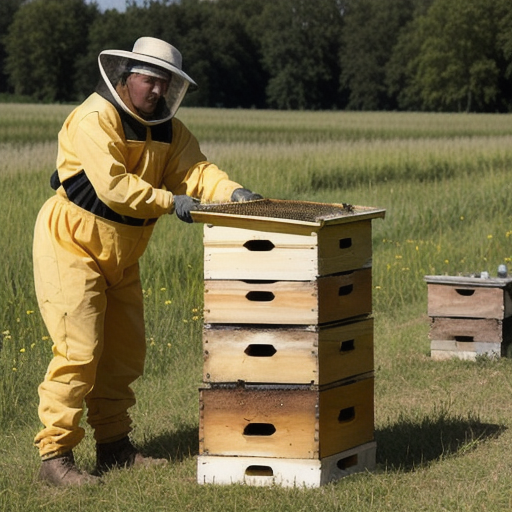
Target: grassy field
x,y
442,428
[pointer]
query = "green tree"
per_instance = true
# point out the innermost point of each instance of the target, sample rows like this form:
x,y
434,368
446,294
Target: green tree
x,y
110,30
219,51
300,43
370,33
504,42
458,64
7,10
43,44
402,63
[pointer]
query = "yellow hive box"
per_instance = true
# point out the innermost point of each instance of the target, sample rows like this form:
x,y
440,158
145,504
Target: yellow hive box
x,y
286,422
284,355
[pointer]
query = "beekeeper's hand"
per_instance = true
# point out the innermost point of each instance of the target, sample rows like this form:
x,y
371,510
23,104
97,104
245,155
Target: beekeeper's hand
x,y
241,195
183,205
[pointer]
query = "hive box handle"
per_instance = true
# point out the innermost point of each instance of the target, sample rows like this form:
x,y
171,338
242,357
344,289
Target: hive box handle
x,y
347,414
345,290
256,350
259,245
345,243
464,292
259,471
259,429
347,462
347,345
260,296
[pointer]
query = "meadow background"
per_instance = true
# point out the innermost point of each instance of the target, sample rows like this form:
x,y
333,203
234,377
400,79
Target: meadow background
x,y
442,428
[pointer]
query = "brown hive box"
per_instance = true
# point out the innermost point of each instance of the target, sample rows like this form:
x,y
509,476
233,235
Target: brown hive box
x,y
467,338
295,422
469,297
286,355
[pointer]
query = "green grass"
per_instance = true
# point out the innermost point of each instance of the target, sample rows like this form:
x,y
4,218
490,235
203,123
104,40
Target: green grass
x,y
443,428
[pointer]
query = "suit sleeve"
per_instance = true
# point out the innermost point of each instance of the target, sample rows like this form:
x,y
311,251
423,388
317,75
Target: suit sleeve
x,y
189,172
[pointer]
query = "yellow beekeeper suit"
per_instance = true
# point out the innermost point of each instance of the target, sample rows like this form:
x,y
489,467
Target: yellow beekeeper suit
x,y
86,265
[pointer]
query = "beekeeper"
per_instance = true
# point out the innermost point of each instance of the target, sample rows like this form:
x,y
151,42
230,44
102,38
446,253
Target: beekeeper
x,y
123,161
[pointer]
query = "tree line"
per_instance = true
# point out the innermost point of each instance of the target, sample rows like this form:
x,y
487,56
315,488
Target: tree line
x,y
424,55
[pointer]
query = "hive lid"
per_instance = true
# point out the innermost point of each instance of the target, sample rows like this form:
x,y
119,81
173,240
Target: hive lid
x,y
470,281
284,216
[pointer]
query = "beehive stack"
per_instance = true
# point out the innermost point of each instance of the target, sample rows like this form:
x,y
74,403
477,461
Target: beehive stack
x,y
287,394
469,316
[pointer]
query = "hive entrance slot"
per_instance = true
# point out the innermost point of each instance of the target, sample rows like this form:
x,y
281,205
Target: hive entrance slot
x,y
260,296
259,429
345,243
259,245
347,414
260,350
259,471
347,345
347,462
466,339
464,292
345,290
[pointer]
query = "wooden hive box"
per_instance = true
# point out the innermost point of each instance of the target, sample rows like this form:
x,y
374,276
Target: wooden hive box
x,y
327,299
467,338
469,297
296,422
238,253
285,240
317,355
265,471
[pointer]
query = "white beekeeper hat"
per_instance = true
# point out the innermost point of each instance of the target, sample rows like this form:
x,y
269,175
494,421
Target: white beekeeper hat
x,y
150,56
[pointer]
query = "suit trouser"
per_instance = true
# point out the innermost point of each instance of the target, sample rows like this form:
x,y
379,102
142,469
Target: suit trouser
x,y
89,293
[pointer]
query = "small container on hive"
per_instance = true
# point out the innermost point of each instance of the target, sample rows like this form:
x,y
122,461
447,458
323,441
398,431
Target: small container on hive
x,y
469,316
288,343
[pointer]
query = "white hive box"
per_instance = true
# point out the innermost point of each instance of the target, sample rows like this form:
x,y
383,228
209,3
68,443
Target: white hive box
x,y
266,471
318,240
237,253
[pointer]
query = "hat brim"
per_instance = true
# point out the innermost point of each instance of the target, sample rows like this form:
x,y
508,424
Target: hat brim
x,y
122,54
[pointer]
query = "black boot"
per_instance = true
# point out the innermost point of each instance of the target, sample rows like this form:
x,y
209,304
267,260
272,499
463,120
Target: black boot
x,y
61,471
121,454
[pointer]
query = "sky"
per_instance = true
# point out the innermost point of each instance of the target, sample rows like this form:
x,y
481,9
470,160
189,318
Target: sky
x,y
120,5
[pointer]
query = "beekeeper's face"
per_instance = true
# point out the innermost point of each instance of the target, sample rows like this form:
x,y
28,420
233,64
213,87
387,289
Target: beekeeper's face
x,y
145,91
